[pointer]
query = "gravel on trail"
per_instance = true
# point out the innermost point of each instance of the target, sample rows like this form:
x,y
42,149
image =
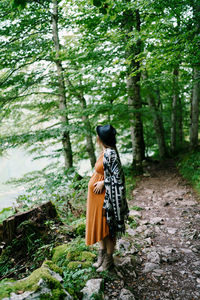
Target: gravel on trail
x,y
160,258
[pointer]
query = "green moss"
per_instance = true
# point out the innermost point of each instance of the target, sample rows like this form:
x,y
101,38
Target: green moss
x,y
59,252
31,282
75,251
53,267
58,294
72,265
77,259
73,255
85,255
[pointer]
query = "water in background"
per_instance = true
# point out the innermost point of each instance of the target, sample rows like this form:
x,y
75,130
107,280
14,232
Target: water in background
x,y
17,162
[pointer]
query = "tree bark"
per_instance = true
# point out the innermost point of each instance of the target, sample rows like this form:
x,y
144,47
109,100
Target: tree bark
x,y
158,126
62,91
175,101
157,118
194,128
134,100
180,122
89,145
86,121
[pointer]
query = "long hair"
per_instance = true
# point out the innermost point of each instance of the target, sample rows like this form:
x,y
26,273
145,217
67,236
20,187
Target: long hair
x,y
114,146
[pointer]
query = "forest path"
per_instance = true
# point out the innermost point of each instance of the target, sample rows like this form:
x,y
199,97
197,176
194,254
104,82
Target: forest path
x,y
166,242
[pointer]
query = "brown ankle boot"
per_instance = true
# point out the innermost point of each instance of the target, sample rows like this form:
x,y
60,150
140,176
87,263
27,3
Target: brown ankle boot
x,y
108,262
101,255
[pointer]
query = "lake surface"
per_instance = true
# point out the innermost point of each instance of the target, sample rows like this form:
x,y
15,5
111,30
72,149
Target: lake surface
x,y
17,162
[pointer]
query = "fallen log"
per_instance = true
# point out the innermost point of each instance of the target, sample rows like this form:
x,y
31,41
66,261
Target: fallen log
x,y
39,214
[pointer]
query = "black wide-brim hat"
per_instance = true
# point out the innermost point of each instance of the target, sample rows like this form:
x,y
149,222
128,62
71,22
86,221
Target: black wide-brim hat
x,y
107,134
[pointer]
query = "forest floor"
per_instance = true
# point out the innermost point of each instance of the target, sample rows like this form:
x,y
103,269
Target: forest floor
x,y
165,242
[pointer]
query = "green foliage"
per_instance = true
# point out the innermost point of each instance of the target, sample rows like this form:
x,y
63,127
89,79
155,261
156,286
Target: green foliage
x,y
94,56
75,258
132,222
76,250
130,180
79,226
189,167
31,282
66,190
137,208
5,213
30,248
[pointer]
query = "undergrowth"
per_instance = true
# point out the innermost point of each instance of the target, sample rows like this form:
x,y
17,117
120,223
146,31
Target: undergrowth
x,y
189,167
26,253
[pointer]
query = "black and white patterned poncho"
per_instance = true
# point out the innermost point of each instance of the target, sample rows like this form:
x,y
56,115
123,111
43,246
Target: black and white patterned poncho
x,y
115,204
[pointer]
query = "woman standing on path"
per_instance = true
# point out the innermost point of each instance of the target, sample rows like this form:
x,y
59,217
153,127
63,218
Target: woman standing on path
x,y
106,202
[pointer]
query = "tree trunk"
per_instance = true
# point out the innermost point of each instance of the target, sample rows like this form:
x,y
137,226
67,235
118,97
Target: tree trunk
x,y
157,118
180,122
175,101
86,122
135,102
89,145
158,126
62,91
194,128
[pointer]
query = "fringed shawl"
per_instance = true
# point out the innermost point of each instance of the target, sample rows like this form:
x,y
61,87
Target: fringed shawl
x,y
115,204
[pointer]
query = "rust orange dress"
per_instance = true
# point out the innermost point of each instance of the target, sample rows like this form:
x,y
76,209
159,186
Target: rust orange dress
x,y
96,225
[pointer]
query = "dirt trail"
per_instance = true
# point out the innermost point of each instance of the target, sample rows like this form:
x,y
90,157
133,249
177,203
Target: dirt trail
x,y
166,242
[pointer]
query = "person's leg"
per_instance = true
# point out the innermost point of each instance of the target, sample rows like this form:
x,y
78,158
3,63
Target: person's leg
x,y
108,259
110,245
101,254
102,244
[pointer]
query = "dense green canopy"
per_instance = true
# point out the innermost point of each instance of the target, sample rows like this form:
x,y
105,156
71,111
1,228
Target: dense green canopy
x,y
66,66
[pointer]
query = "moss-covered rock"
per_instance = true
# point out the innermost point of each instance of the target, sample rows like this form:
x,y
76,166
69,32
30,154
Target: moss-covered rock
x,y
72,265
48,273
75,258
59,252
53,267
87,256
73,255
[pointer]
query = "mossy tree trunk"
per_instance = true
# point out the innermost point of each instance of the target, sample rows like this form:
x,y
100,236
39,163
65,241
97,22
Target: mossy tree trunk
x,y
175,101
194,128
88,133
134,97
62,91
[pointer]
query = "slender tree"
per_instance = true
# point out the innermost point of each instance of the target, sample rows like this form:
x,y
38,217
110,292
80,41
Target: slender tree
x,y
157,117
194,128
175,102
62,90
133,89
